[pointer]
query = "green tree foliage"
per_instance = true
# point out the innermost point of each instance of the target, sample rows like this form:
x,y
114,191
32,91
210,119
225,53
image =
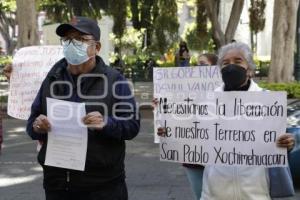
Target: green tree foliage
x,y
201,19
143,15
118,10
62,11
57,10
257,15
197,41
166,25
257,20
199,35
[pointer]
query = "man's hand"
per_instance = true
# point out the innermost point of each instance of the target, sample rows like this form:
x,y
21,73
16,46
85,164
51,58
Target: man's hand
x,y
41,124
286,140
94,120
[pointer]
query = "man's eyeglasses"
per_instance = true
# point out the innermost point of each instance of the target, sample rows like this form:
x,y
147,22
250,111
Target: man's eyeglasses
x,y
75,41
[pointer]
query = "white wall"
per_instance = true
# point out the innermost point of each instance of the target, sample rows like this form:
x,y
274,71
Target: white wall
x,y
264,39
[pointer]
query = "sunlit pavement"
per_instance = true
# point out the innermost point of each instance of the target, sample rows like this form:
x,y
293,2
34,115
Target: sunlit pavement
x,y
147,178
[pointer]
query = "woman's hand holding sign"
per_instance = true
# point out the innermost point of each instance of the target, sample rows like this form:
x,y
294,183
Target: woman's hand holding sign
x,y
161,131
287,141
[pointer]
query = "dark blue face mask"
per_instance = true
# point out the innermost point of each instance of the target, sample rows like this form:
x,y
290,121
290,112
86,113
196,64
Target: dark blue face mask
x,y
233,76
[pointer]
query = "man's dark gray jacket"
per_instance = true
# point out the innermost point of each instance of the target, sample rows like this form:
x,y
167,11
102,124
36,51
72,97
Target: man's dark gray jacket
x,y
106,148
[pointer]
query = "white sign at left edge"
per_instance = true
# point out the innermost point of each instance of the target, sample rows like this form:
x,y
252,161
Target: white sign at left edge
x,y
30,67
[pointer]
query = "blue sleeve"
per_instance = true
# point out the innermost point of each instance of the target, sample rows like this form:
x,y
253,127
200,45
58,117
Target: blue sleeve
x,y
124,124
36,109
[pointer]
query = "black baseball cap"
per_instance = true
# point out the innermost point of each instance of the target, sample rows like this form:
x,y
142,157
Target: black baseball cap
x,y
82,24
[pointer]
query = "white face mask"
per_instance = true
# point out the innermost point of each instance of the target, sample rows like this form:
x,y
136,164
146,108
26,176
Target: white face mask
x,y
76,52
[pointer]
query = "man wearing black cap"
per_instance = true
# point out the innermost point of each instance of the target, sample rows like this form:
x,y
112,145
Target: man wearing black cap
x,y
109,125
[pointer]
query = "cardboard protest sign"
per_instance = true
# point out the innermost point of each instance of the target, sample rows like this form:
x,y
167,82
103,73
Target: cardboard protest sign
x,y
195,80
30,67
224,128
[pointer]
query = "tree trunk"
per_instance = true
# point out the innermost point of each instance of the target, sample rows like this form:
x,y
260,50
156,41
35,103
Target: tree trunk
x,y
218,35
147,20
10,45
234,19
252,40
221,38
283,41
77,7
119,13
134,7
27,23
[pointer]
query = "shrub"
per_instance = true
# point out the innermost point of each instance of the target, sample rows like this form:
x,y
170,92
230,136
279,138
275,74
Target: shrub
x,y
292,89
3,99
262,67
5,60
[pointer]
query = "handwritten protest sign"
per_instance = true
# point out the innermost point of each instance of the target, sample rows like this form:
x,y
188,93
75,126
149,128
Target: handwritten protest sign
x,y
195,80
225,128
30,67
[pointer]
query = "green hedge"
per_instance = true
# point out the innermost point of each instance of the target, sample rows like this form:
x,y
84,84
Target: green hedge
x,y
292,89
262,68
5,60
3,99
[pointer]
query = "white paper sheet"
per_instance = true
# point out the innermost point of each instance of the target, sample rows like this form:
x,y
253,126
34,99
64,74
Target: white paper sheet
x,y
67,140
